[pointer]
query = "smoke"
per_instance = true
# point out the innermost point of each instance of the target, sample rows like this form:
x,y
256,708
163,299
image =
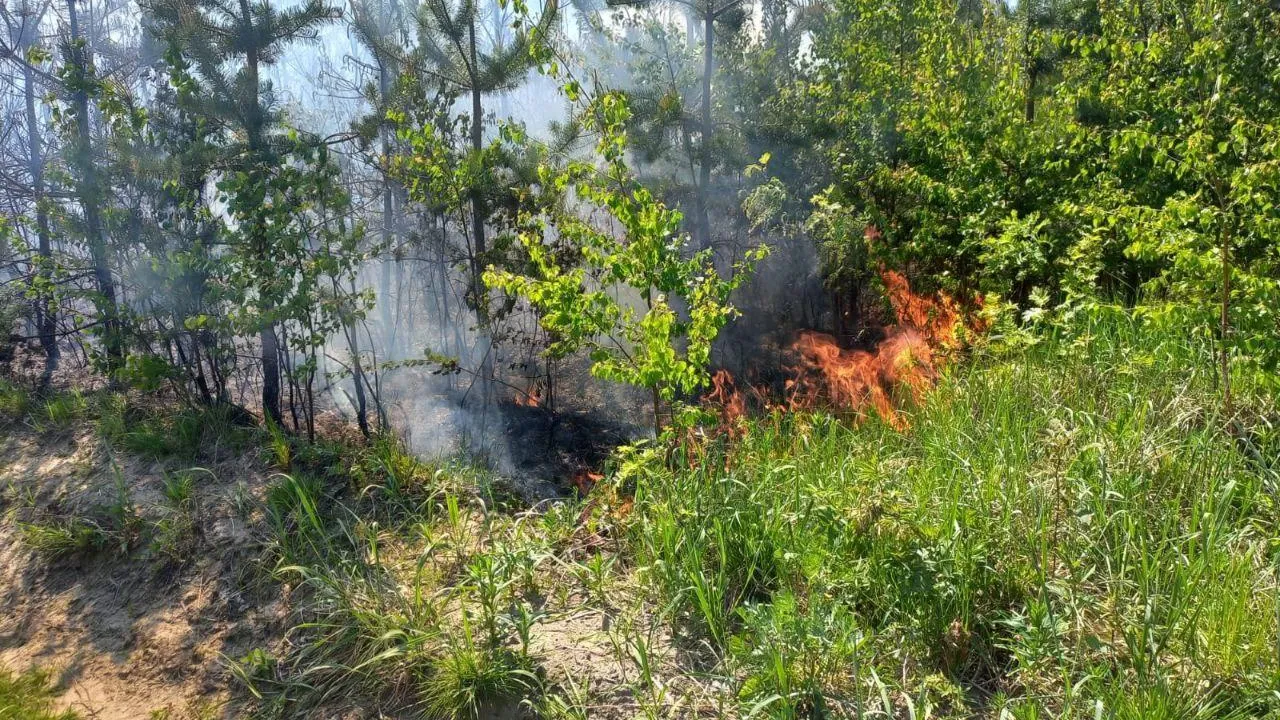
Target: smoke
x,y
420,346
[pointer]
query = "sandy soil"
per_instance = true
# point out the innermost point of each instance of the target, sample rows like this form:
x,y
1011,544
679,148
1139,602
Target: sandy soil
x,y
128,635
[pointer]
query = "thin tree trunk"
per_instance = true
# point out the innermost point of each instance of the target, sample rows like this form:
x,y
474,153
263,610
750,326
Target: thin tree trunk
x,y
1029,102
657,413
477,144
384,302
704,172
1225,321
481,297
90,197
311,396
46,310
357,369
267,335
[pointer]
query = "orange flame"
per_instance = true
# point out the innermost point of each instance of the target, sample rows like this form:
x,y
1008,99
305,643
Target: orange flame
x,y
831,376
828,375
530,398
725,396
937,319
585,479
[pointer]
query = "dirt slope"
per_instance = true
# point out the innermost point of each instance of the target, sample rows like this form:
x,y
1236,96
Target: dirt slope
x,y
129,634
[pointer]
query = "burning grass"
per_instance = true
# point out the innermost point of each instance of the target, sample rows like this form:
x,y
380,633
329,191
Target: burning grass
x,y
823,374
1022,552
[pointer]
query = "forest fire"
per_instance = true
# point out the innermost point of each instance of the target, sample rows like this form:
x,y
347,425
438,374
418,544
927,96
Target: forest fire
x,y
530,398
827,375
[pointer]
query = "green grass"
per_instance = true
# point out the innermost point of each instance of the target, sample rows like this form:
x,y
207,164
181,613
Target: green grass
x,y
468,682
1061,531
56,539
158,432
175,535
59,411
15,401
1064,530
115,526
29,696
179,434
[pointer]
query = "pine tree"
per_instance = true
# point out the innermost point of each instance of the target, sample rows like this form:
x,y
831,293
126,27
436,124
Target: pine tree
x,y
703,16
378,25
231,43
449,52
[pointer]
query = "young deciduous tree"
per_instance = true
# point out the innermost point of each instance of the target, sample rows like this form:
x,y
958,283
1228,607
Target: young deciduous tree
x,y
660,342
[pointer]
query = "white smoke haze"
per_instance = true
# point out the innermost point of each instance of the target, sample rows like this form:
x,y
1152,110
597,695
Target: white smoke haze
x,y
420,311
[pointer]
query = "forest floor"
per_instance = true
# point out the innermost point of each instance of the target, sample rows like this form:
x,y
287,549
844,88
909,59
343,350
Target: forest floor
x,y
132,629
143,558
1067,529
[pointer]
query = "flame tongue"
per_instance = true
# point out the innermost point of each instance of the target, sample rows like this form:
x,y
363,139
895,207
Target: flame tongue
x,y
937,318
830,376
530,398
827,375
724,395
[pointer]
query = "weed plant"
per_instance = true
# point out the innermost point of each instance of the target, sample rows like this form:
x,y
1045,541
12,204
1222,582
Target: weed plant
x,y
1070,530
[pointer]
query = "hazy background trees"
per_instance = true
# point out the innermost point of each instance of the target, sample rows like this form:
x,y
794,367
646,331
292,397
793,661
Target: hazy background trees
x,y
291,206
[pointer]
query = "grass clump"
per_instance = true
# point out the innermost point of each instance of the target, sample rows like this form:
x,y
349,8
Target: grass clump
x,y
60,410
410,588
29,696
181,434
117,525
175,534
56,539
15,401
473,682
1062,529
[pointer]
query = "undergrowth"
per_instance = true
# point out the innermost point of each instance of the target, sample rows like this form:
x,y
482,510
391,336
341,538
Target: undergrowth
x,y
1066,529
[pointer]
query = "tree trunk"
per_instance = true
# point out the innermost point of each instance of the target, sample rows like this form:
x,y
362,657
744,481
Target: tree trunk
x,y
386,317
357,376
271,373
388,218
258,234
357,368
46,310
657,413
90,198
704,171
481,297
1029,102
477,201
